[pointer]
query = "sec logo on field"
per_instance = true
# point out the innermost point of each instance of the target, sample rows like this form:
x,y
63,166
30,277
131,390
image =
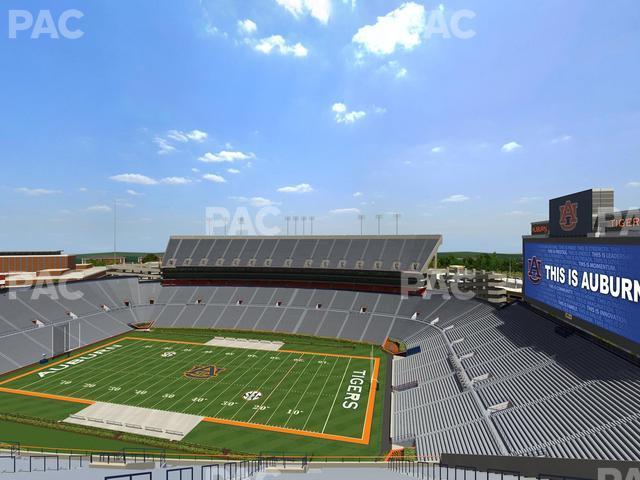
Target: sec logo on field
x,y
252,396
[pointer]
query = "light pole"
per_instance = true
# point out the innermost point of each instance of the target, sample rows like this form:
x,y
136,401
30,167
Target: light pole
x,y
397,217
311,219
115,224
304,224
241,223
225,220
288,219
295,225
378,218
361,218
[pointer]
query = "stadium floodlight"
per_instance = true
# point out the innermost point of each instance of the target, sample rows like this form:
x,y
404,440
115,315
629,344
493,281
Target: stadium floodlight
x,y
225,221
241,223
361,218
288,219
295,225
311,219
378,218
304,224
397,217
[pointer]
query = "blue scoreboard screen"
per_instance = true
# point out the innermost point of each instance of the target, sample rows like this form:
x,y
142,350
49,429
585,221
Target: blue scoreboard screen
x,y
596,282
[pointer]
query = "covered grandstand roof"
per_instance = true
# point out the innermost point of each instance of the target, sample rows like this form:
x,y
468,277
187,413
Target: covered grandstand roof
x,y
342,252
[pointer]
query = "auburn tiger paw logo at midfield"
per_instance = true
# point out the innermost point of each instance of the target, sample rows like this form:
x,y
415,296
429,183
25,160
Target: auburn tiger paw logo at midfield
x,y
203,372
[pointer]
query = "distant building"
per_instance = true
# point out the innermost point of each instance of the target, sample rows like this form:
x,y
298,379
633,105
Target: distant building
x,y
35,261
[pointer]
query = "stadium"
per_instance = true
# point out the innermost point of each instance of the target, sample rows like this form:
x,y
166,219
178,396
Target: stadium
x,y
331,349
326,239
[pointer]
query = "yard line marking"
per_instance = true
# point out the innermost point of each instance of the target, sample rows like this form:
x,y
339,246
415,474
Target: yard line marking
x,y
63,375
321,391
287,395
136,360
336,397
235,381
339,355
274,389
305,392
22,375
364,439
246,359
163,369
198,385
248,385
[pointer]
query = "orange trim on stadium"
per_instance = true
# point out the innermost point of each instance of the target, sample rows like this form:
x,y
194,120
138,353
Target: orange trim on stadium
x,y
293,431
47,395
363,440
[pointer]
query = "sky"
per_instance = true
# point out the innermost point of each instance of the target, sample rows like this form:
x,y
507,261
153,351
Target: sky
x,y
464,117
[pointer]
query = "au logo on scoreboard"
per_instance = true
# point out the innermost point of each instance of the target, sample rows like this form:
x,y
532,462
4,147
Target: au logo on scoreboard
x,y
203,372
534,270
568,216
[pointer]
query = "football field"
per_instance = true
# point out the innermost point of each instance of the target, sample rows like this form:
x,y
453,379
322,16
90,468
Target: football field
x,y
321,395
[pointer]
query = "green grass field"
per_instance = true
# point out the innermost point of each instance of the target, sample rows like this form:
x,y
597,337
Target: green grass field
x,y
313,394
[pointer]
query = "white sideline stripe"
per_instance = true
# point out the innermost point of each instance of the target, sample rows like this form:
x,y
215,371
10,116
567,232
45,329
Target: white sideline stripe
x,y
245,343
145,421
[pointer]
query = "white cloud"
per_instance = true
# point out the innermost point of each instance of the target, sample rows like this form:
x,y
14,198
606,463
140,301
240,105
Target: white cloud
x,y
225,156
318,9
183,137
437,149
256,201
166,144
300,188
394,68
36,192
561,139
233,171
402,27
247,27
134,178
277,44
341,211
358,194
345,116
164,147
633,184
455,198
133,193
99,208
83,189
511,147
175,180
211,177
